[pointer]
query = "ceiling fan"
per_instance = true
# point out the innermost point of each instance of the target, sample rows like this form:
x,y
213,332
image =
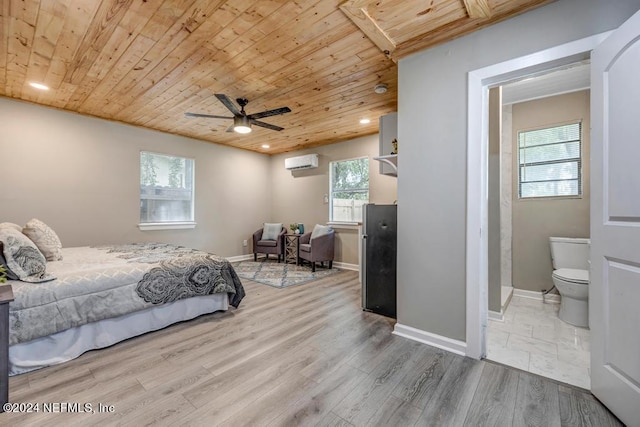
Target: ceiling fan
x,y
241,120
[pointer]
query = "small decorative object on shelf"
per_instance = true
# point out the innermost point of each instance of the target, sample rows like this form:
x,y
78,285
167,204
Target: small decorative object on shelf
x,y
294,228
3,274
394,143
301,228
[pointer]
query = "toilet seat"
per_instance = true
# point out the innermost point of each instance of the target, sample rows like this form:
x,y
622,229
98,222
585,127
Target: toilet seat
x,y
572,275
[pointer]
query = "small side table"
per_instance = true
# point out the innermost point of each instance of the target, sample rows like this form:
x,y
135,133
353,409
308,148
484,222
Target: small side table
x,y
291,248
6,296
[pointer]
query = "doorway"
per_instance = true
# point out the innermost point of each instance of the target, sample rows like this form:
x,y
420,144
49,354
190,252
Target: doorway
x,y
538,187
614,215
479,82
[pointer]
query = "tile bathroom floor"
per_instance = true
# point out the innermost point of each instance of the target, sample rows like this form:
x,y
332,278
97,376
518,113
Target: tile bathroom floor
x,y
534,339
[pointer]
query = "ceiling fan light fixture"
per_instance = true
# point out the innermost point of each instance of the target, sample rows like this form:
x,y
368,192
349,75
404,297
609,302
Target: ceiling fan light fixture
x,y
242,121
242,129
241,124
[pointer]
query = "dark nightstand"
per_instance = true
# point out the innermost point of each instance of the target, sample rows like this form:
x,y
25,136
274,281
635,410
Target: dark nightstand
x,y
6,296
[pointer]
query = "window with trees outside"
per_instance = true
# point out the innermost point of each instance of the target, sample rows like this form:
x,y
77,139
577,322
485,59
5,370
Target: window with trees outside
x,y
166,189
550,162
349,188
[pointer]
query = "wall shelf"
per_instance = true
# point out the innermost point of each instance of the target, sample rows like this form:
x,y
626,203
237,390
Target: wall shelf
x,y
390,159
388,132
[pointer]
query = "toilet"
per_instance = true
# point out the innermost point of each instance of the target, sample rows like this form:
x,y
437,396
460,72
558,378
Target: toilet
x,y
570,257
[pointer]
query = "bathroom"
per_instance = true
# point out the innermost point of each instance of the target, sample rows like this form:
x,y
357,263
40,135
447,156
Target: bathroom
x,y
523,329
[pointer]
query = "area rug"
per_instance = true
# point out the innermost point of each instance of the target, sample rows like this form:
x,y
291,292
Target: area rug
x,y
280,275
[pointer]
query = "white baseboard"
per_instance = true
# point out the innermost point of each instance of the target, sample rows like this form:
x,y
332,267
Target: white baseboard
x,y
444,343
536,295
346,266
494,315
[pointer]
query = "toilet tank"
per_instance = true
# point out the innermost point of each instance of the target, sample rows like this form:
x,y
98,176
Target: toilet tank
x,y
567,252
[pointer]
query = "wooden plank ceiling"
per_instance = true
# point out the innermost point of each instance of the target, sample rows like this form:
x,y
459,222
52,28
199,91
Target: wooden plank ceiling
x,y
147,62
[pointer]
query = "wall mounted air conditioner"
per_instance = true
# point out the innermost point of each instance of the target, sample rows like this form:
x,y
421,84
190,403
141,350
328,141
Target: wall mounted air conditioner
x,y
307,161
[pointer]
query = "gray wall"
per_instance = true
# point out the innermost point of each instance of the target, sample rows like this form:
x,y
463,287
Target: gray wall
x,y
298,196
432,130
534,220
81,175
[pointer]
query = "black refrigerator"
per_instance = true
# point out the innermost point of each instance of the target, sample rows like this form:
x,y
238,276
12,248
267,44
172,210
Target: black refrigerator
x,y
379,249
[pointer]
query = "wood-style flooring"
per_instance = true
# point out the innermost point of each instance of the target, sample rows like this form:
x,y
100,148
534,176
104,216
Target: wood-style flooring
x,y
305,355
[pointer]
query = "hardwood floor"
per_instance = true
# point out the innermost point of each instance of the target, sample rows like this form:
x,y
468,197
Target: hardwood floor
x,y
305,355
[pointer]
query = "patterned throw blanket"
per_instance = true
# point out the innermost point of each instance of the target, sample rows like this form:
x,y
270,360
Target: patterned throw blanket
x,y
181,273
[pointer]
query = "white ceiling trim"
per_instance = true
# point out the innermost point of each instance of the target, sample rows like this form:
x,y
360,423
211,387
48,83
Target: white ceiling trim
x,y
569,79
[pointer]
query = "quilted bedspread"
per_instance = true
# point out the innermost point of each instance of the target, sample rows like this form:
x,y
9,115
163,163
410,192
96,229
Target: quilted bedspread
x,y
96,283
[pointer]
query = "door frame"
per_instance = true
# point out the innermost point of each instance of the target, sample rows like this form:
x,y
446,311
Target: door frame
x,y
478,83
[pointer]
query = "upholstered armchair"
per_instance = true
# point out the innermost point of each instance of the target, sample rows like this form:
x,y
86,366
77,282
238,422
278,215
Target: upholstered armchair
x,y
317,246
269,242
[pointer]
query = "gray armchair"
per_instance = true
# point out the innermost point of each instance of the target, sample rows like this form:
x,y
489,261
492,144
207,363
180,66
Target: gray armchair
x,y
318,249
268,246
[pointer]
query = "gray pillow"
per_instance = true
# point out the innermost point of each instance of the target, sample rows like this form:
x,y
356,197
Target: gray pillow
x,y
270,231
23,257
320,230
8,273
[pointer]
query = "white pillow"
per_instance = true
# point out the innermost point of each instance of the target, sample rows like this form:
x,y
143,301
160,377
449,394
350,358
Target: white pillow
x,y
23,257
44,238
270,231
320,230
11,225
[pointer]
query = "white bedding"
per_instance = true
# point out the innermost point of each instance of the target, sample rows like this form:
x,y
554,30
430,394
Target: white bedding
x,y
71,343
94,284
104,295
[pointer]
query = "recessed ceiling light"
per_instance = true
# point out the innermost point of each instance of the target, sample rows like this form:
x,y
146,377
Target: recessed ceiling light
x,y
364,121
39,86
265,145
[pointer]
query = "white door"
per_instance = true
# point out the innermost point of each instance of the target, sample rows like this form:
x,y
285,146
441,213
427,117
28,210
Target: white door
x,y
614,303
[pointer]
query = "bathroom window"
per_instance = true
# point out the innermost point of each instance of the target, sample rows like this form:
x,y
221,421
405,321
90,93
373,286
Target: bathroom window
x,y
550,162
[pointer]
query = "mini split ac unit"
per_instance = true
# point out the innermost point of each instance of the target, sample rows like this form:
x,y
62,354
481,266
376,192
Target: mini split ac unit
x,y
307,161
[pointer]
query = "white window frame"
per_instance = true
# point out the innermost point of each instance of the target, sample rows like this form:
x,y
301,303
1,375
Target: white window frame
x,y
579,160
333,221
171,225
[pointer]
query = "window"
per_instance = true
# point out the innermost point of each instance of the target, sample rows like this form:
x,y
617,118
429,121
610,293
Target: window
x,y
166,190
349,187
550,162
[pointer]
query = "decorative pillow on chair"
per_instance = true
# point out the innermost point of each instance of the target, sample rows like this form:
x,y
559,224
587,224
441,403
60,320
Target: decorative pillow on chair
x,y
320,230
44,238
271,231
23,257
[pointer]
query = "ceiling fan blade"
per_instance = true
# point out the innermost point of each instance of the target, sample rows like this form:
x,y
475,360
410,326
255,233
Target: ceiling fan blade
x,y
228,103
265,125
269,113
208,116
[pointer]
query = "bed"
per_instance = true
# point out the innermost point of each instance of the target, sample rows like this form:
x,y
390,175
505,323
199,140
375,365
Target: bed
x,y
95,297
